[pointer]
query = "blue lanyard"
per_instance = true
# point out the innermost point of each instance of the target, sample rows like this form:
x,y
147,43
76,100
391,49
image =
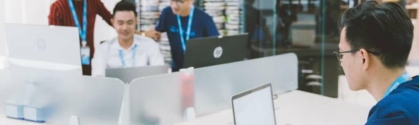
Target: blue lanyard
x,y
403,78
82,31
188,31
121,56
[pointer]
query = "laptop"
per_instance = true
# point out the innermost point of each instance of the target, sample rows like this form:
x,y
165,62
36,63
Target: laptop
x,y
127,75
209,51
54,48
254,107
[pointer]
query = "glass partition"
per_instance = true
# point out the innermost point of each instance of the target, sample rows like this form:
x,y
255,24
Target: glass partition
x,y
305,27
162,99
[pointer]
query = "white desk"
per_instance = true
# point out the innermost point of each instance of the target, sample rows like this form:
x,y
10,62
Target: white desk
x,y
301,108
7,121
293,108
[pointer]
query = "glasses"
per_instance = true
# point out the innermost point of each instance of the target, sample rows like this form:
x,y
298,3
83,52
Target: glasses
x,y
177,2
339,55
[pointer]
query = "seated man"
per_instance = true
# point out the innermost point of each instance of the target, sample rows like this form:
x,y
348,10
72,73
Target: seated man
x,y
126,50
374,46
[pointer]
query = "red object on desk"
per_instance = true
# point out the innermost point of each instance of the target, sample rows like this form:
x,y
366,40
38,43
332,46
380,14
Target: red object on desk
x,y
187,90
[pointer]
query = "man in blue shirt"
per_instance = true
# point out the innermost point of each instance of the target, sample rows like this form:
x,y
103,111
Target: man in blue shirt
x,y
182,21
374,46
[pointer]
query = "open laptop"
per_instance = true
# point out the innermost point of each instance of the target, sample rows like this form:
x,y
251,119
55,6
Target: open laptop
x,y
202,52
54,48
254,107
127,75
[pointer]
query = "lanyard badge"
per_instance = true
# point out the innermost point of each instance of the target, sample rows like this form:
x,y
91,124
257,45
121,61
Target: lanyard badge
x,y
121,56
188,30
402,79
85,50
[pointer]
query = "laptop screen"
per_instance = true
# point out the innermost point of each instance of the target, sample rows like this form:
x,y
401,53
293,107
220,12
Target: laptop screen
x,y
255,108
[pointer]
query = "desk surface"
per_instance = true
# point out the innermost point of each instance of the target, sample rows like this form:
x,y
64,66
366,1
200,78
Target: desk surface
x,y
293,108
7,121
301,108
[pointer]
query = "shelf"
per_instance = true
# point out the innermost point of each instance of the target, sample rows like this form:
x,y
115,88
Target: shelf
x,y
409,7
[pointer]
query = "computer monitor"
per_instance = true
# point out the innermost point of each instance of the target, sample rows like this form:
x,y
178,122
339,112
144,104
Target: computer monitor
x,y
210,51
129,74
54,48
254,107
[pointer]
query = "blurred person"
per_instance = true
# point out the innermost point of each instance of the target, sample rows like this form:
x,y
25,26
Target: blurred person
x,y
82,14
128,49
374,47
283,27
255,26
182,21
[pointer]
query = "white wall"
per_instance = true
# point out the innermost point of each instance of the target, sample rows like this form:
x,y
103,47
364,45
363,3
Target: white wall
x,y
2,37
414,53
22,12
102,30
27,11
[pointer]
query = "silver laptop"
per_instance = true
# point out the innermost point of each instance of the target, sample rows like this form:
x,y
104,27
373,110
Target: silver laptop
x,y
254,107
44,47
127,75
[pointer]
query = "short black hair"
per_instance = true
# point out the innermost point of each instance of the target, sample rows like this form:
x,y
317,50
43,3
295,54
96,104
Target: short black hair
x,y
385,30
125,5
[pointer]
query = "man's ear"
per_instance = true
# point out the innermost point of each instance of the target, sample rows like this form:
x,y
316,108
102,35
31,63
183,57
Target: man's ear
x,y
366,58
112,21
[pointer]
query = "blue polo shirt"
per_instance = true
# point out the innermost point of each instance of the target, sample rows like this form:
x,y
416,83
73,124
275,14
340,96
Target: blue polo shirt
x,y
202,26
400,107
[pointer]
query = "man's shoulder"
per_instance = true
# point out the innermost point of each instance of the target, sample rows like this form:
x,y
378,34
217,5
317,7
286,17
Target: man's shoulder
x,y
201,13
59,3
106,44
167,10
402,104
391,114
406,95
401,98
142,40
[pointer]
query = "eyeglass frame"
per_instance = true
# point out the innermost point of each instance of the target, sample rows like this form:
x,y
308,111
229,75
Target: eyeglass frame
x,y
177,2
339,54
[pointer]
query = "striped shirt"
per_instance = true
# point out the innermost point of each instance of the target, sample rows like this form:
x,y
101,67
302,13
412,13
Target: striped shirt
x,y
60,15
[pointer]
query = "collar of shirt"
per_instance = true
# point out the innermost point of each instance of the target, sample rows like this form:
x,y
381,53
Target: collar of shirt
x,y
108,55
114,59
115,45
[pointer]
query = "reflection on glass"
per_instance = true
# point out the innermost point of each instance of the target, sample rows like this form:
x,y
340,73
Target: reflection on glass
x,y
256,26
301,27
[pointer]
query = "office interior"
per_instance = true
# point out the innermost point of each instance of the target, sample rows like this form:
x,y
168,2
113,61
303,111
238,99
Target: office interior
x,y
291,46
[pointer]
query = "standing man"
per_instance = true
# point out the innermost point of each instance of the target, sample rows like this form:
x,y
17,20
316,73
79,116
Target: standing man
x,y
182,21
374,46
82,14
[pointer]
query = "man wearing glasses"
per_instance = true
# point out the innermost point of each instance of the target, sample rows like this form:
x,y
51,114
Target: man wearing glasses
x,y
373,50
182,21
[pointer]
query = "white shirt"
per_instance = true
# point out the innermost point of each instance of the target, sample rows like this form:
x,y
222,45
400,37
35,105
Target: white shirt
x,y
107,55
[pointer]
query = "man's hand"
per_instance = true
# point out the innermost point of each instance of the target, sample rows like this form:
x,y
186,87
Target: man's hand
x,y
138,32
153,34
